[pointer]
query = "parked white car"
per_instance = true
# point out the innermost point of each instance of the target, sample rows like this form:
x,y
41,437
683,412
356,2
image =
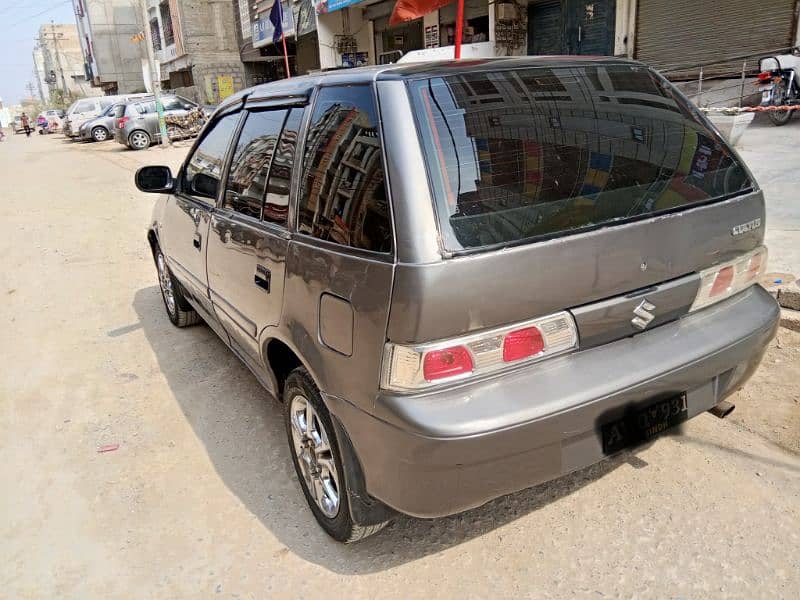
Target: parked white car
x,y
89,108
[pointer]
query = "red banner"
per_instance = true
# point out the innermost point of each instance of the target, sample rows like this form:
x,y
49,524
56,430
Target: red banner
x,y
408,10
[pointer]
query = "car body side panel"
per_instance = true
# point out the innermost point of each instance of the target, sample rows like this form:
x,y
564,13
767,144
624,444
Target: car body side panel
x,y
501,287
315,270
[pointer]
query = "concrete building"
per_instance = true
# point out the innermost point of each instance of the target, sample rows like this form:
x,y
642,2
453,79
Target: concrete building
x,y
58,62
197,47
112,59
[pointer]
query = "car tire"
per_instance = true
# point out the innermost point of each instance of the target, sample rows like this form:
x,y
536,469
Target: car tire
x,y
179,311
139,140
318,461
99,134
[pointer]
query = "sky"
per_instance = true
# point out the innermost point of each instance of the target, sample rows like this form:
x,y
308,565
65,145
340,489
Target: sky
x,y
19,25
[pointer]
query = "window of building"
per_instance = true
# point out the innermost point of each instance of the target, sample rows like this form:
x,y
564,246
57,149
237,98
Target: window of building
x,y
166,23
247,181
155,34
204,169
343,197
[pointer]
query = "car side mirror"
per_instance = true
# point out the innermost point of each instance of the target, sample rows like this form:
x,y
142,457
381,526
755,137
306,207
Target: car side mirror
x,y
155,180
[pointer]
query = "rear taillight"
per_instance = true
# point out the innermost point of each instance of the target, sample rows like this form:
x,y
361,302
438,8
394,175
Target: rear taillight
x,y
522,343
409,368
727,279
122,121
445,363
764,76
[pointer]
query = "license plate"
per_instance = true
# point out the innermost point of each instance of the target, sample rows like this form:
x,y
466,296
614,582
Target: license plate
x,y
766,96
643,424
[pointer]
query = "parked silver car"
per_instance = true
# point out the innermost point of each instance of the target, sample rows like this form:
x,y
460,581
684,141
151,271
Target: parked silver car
x,y
137,121
100,128
465,278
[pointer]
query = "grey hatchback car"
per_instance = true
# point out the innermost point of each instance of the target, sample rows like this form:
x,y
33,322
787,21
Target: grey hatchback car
x,y
467,278
137,120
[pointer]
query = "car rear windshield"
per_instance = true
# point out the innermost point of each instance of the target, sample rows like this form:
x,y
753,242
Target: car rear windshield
x,y
525,154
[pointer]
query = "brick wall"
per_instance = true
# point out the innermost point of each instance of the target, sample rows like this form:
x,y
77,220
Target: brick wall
x,y
211,43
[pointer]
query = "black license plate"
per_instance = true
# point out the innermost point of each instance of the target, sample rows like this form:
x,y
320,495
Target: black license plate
x,y
640,425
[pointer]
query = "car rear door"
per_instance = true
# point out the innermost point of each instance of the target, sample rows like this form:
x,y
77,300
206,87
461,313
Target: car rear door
x,y
187,213
341,260
248,239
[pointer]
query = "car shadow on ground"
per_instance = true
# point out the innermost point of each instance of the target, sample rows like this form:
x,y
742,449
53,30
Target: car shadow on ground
x,y
241,427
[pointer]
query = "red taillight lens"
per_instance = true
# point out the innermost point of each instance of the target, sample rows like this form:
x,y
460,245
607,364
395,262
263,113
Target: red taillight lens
x,y
522,343
722,282
754,268
447,362
122,121
764,76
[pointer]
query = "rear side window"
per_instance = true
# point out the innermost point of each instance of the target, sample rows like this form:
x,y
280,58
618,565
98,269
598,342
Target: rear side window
x,y
343,196
530,153
144,108
247,181
84,106
276,204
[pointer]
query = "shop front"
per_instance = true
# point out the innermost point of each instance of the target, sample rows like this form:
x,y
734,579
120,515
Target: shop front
x,y
571,27
264,59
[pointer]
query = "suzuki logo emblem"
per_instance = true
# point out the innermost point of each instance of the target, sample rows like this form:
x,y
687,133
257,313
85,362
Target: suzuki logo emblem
x,y
643,313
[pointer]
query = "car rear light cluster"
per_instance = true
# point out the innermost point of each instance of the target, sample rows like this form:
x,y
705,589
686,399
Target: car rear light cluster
x,y
727,279
122,121
409,368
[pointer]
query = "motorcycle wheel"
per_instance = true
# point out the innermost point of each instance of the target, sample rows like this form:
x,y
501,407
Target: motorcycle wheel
x,y
779,117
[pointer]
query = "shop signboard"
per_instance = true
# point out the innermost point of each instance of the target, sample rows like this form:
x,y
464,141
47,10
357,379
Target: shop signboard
x,y
263,28
328,6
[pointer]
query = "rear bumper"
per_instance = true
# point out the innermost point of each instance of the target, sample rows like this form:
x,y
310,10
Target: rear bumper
x,y
444,452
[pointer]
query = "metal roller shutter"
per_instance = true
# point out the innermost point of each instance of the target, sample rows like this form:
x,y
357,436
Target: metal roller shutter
x,y
688,32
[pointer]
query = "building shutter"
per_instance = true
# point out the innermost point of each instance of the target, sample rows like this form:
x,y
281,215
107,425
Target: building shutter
x,y
682,33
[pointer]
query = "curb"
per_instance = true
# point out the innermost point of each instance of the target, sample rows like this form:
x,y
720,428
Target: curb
x,y
785,288
790,319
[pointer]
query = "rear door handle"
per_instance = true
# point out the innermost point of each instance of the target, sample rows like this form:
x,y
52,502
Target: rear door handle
x,y
197,242
263,278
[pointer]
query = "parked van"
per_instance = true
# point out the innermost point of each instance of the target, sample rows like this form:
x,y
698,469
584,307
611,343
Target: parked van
x,y
88,108
465,278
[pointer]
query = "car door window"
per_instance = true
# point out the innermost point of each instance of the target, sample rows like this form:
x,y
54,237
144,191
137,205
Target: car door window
x,y
204,169
276,203
244,191
343,196
172,104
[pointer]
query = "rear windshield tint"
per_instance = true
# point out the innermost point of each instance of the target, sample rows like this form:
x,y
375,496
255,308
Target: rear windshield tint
x,y
530,153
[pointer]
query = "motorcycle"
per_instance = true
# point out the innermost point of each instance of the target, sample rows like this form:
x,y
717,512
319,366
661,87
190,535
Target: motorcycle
x,y
779,84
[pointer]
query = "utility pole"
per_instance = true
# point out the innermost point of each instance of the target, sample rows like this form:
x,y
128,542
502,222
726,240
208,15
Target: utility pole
x,y
31,90
155,80
58,59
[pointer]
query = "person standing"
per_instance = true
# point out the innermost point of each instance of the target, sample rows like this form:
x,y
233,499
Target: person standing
x,y
26,124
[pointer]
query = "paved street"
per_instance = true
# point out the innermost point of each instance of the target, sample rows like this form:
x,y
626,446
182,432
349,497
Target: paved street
x,y
201,499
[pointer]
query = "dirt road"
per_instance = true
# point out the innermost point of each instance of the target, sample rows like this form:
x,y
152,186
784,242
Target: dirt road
x,y
201,500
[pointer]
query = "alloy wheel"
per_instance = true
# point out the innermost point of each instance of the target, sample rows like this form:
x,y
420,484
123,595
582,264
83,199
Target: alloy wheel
x,y
311,445
100,134
139,140
165,281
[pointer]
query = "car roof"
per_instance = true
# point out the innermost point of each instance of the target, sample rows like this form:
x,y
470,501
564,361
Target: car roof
x,y
304,84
